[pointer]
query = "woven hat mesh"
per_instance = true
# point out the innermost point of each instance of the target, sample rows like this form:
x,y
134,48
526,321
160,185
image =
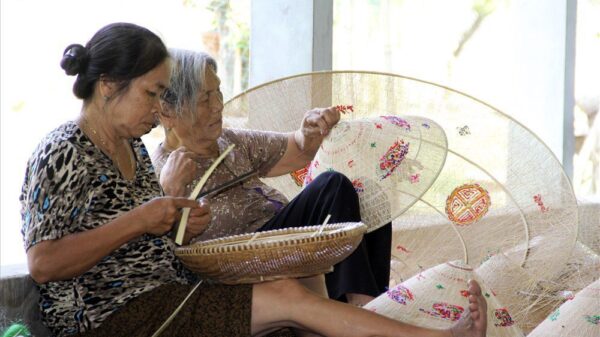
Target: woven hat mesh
x,y
578,317
499,187
499,191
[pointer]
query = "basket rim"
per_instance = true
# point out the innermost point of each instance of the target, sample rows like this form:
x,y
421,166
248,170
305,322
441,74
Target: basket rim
x,y
243,242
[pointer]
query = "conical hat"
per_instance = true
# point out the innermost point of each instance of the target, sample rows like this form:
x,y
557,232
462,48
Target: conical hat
x,y
392,161
437,298
517,290
529,297
578,317
500,186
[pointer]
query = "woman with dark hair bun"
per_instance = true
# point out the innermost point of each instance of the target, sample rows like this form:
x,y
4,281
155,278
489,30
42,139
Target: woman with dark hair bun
x,y
95,223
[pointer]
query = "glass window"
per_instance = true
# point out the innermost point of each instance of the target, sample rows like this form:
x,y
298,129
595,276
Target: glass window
x,y
586,175
492,50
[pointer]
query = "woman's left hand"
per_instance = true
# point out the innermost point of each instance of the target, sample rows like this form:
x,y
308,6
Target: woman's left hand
x,y
198,221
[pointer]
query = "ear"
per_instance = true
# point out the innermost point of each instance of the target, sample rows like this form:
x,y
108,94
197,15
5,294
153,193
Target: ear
x,y
107,87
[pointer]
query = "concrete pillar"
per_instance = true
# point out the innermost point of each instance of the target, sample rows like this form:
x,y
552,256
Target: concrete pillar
x,y
289,37
545,57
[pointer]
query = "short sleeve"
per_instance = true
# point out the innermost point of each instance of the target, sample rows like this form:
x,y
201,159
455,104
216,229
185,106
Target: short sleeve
x,y
52,197
264,149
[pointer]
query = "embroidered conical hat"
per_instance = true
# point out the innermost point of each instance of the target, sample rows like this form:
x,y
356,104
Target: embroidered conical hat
x,y
437,298
517,290
530,298
582,268
500,186
578,317
392,161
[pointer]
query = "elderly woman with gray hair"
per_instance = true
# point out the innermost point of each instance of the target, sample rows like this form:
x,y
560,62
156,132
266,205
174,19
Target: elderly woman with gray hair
x,y
194,137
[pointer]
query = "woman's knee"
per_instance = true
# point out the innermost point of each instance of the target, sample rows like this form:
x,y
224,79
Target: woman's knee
x,y
284,289
335,179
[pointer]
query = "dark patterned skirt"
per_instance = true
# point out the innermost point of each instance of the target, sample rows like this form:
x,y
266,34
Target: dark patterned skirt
x,y
213,310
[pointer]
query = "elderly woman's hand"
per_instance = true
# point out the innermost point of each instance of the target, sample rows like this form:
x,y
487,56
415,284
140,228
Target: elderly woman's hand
x,y
318,122
315,126
179,170
198,221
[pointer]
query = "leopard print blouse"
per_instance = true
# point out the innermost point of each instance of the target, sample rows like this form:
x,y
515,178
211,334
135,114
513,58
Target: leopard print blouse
x,y
71,186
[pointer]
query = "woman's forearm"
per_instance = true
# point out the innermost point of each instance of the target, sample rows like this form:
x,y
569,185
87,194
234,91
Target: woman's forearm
x,y
74,254
297,155
307,146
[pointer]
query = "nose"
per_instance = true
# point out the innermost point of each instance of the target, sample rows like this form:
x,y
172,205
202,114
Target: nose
x,y
156,106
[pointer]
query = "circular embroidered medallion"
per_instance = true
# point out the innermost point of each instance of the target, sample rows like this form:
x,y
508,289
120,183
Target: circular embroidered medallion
x,y
467,203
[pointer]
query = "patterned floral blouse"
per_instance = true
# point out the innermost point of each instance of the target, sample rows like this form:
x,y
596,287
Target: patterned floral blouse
x,y
244,207
71,186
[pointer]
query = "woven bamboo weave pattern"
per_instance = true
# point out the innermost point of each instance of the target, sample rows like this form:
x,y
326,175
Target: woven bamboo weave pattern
x,y
270,255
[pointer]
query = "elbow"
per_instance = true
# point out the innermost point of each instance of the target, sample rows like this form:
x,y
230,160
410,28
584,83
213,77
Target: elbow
x,y
38,268
38,277
37,273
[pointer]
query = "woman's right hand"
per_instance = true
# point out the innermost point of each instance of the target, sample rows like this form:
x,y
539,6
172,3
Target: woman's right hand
x,y
179,170
74,254
158,215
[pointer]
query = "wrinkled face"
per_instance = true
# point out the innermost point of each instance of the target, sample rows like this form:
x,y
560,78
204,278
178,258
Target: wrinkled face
x,y
207,121
135,110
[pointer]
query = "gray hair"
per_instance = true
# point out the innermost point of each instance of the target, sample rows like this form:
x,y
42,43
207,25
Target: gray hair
x,y
187,79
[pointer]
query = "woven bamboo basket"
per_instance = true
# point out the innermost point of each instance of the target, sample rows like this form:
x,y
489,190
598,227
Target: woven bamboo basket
x,y
272,255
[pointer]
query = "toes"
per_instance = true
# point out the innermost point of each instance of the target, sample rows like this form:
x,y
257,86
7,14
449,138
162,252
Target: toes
x,y
474,288
473,306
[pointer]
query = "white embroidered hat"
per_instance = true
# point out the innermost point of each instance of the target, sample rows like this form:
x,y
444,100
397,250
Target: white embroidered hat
x,y
437,298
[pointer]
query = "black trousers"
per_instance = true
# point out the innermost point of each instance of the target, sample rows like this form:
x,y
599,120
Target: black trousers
x,y
365,271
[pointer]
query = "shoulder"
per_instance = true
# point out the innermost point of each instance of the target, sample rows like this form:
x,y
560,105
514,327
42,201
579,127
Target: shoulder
x,y
58,153
233,135
244,135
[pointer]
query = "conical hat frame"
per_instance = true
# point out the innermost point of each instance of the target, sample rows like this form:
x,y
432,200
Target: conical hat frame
x,y
498,111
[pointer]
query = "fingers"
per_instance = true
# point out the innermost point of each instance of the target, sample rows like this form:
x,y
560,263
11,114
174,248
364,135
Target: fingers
x,y
331,116
185,203
182,153
474,288
322,119
199,219
200,210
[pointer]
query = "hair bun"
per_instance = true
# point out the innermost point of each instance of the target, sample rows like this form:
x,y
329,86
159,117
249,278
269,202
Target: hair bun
x,y
75,59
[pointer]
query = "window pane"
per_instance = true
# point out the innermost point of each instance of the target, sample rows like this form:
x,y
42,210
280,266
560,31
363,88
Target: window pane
x,y
586,175
502,52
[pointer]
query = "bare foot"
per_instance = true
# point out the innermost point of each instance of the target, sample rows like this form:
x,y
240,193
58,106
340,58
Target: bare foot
x,y
474,323
358,300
